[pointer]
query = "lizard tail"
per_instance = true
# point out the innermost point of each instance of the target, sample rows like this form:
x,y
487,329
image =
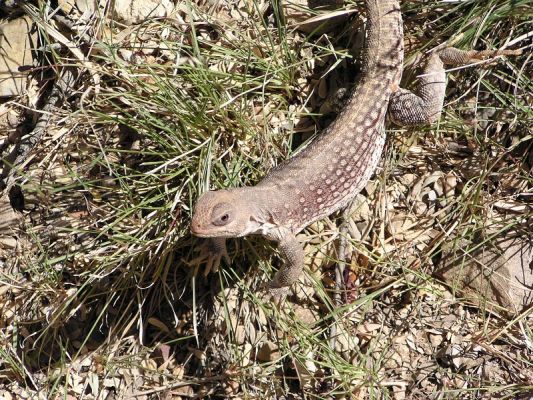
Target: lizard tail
x,y
384,44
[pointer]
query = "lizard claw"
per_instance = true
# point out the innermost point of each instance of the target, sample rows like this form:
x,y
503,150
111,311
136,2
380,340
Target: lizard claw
x,y
274,293
212,251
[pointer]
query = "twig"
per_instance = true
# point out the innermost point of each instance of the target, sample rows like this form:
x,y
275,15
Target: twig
x,y
29,141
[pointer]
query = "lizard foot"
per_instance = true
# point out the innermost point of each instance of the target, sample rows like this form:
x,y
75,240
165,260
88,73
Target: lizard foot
x,y
275,294
212,251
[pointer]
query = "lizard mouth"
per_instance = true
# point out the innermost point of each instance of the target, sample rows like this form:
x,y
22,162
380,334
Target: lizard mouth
x,y
200,234
197,230
204,233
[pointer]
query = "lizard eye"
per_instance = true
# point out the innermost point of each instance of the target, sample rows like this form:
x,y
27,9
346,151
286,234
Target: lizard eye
x,y
222,220
221,215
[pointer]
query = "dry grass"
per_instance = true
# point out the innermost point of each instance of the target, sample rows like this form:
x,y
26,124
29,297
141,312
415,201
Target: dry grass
x,y
97,299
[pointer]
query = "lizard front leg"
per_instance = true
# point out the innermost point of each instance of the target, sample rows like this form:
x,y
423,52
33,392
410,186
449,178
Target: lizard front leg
x,y
212,251
293,254
424,107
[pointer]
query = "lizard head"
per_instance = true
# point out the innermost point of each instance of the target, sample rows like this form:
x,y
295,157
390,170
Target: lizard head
x,y
222,213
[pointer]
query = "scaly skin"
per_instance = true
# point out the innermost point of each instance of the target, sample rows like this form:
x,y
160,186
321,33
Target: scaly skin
x,y
326,175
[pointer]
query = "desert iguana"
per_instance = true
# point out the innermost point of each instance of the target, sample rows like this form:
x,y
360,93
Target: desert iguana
x,y
327,174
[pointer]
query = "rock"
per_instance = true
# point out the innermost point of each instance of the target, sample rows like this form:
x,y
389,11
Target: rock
x,y
133,12
268,351
85,7
16,43
499,272
307,316
127,11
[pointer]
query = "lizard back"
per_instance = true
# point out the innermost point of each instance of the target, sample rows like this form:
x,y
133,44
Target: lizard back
x,y
332,169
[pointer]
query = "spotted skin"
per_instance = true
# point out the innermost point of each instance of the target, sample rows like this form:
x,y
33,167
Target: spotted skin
x,y
329,172
345,155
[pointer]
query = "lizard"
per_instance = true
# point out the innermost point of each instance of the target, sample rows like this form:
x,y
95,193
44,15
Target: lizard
x,y
327,174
